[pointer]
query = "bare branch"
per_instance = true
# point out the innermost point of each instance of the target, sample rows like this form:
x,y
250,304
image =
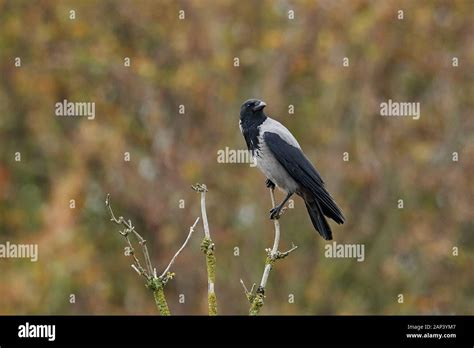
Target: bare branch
x,y
154,283
129,228
136,269
243,285
191,230
207,246
282,255
272,254
256,298
276,241
203,189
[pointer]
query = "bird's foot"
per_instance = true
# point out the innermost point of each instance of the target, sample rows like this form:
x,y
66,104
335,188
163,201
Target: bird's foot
x,y
269,184
276,212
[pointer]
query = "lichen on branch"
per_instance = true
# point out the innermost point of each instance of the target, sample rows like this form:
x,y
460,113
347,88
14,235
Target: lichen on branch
x,y
257,298
208,248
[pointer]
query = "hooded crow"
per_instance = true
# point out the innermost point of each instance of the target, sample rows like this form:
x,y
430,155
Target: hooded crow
x,y
279,156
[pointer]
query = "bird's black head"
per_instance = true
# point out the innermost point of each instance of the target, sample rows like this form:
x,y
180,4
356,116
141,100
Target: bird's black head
x,y
252,109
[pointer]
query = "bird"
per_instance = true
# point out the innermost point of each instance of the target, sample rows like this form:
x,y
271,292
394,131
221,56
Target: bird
x,y
278,155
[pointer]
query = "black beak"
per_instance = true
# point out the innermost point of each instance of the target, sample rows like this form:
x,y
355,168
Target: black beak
x,y
259,106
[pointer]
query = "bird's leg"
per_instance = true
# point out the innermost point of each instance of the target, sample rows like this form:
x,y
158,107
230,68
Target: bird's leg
x,y
269,184
275,212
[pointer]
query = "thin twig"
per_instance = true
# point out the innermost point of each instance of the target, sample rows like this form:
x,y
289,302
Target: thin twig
x,y
136,269
129,228
249,294
282,255
191,230
243,285
276,242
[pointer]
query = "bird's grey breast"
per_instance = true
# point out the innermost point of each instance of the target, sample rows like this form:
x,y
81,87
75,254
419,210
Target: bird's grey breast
x,y
266,160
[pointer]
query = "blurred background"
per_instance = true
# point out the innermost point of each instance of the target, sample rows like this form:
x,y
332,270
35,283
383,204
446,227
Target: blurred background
x,y
190,62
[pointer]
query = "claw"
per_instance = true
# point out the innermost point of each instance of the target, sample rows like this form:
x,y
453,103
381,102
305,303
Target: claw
x,y
269,184
275,213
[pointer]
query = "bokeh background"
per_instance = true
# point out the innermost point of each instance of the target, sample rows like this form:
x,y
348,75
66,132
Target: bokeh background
x,y
191,62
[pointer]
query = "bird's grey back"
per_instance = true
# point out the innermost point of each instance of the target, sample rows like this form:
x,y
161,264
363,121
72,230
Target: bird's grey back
x,y
273,126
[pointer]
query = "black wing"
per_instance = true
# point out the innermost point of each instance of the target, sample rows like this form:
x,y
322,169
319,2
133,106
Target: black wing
x,y
304,173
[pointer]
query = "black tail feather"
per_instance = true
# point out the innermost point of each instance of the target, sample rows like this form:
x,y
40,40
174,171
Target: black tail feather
x,y
328,206
318,219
